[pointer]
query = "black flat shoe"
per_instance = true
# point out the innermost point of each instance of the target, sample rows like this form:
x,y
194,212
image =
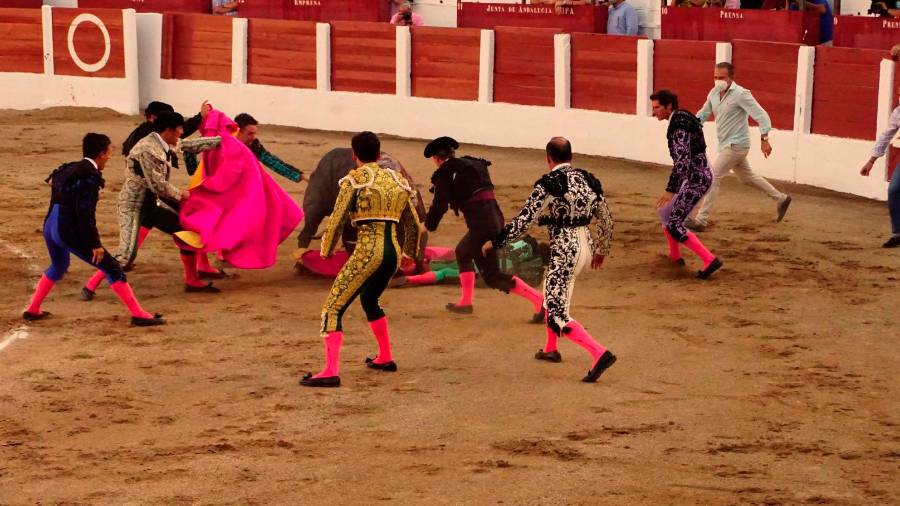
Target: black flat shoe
x,y
539,317
156,320
387,366
715,265
329,382
456,308
605,362
549,356
87,294
783,208
218,274
33,317
893,242
207,288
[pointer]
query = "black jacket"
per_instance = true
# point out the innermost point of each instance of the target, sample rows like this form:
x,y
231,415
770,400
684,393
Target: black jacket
x,y
75,187
454,184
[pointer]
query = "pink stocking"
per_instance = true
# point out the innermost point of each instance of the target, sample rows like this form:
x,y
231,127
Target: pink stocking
x,y
380,329
190,270
674,247
333,342
694,244
577,334
467,285
428,278
203,263
98,276
40,293
123,291
522,289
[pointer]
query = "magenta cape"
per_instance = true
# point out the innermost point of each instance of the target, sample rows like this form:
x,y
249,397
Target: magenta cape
x,y
237,208
329,267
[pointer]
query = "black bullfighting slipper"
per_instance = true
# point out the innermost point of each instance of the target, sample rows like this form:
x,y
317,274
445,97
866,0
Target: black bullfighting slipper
x,y
549,356
156,320
893,242
456,308
217,274
783,208
87,294
33,317
605,362
539,317
715,265
387,366
207,288
329,382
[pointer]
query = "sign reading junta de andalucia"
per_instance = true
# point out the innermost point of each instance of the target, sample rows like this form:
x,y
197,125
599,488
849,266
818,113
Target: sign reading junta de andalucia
x,y
522,9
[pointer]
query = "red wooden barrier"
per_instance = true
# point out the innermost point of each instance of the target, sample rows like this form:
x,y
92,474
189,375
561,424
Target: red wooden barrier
x,y
20,4
195,6
445,62
769,70
281,53
89,54
197,47
685,67
865,32
604,72
316,10
575,18
523,66
363,57
725,25
845,92
21,41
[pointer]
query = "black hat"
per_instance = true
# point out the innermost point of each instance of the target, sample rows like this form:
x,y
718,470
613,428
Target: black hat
x,y
156,108
440,144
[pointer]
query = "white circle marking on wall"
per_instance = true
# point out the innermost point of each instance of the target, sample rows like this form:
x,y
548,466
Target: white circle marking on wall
x,y
89,18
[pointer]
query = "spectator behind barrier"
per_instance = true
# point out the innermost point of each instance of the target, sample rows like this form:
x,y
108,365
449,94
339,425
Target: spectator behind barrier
x,y
623,19
826,23
225,7
716,4
406,17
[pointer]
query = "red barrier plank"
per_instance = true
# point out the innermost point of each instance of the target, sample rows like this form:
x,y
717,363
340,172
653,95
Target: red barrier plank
x,y
20,4
573,18
845,92
89,49
281,53
769,71
363,57
195,6
445,62
196,47
865,32
725,25
686,68
524,76
604,73
21,41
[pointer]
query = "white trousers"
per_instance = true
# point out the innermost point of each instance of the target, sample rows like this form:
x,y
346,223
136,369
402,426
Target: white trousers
x,y
734,159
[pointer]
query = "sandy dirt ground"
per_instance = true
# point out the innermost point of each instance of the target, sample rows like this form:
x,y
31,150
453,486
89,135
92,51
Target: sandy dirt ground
x,y
774,383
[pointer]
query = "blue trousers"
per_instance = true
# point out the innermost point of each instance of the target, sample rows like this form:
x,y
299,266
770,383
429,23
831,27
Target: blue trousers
x,y
894,200
60,253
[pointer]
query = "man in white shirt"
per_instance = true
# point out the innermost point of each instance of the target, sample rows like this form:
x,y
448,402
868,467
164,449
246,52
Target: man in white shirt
x,y
881,146
732,105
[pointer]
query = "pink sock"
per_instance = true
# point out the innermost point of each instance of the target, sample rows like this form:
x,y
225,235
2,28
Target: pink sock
x,y
674,247
694,244
467,285
577,334
203,263
95,281
123,291
143,232
190,270
333,343
40,293
552,343
429,278
522,289
380,329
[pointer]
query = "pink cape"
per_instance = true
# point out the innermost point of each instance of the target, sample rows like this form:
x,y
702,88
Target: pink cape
x,y
238,209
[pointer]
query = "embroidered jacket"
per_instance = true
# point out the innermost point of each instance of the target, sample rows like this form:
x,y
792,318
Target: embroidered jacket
x,y
687,146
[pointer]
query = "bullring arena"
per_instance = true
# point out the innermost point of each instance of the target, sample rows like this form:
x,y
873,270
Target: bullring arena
x,y
772,383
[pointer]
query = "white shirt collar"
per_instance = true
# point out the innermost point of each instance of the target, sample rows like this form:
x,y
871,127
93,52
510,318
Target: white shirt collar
x,y
564,164
165,144
92,162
